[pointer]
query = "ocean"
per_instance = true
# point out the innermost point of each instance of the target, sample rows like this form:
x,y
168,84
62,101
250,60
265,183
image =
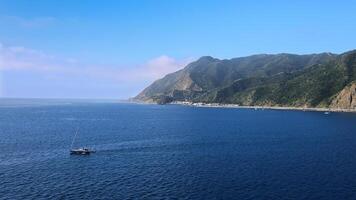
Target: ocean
x,y
173,152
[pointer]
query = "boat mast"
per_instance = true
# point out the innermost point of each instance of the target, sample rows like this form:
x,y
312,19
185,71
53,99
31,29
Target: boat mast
x,y
76,132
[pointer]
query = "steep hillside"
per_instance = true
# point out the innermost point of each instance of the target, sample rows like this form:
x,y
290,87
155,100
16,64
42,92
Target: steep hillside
x,y
346,98
315,80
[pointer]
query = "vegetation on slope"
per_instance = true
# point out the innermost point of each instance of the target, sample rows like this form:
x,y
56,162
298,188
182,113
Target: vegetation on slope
x,y
274,80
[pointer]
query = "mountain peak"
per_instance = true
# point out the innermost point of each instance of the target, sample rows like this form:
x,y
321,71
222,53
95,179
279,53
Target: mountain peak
x,y
207,58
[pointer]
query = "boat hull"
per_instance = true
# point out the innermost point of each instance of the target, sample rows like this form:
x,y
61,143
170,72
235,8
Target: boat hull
x,y
81,152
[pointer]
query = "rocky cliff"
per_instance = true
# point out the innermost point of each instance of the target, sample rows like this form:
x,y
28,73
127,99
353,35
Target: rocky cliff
x,y
346,98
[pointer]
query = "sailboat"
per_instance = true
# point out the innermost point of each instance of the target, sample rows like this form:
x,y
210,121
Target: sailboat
x,y
80,151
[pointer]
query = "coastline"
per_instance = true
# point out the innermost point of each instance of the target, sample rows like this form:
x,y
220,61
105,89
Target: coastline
x,y
218,105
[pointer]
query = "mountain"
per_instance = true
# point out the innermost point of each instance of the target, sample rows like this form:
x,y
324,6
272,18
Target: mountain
x,y
315,80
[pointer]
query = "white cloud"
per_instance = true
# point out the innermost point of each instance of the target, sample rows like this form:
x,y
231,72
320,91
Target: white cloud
x,y
20,58
162,65
153,69
17,58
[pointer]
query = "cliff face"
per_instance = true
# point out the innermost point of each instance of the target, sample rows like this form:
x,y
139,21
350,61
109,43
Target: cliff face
x,y
315,80
346,98
173,86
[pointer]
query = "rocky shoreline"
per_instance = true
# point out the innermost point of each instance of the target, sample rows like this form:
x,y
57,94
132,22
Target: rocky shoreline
x,y
218,105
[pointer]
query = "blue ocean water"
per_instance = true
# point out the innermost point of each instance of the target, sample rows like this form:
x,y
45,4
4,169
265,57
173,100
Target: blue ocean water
x,y
174,152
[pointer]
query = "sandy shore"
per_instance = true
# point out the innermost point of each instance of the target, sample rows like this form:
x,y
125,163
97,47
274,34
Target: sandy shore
x,y
216,105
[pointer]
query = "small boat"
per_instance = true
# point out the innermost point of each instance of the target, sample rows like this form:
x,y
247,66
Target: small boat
x,y
326,113
80,151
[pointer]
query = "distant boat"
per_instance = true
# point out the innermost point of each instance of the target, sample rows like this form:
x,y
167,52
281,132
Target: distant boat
x,y
326,113
80,151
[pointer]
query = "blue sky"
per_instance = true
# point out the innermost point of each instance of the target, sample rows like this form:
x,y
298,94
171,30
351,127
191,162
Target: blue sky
x,y
113,49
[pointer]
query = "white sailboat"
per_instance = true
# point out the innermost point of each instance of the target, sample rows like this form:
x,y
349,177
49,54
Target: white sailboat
x,y
79,151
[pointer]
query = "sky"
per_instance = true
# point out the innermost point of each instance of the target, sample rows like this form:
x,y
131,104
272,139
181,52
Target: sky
x,y
114,49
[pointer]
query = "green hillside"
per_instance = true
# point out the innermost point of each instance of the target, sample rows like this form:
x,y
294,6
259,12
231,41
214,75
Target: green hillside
x,y
275,80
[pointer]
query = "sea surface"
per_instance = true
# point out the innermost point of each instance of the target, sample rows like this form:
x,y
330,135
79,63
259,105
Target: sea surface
x,y
173,152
